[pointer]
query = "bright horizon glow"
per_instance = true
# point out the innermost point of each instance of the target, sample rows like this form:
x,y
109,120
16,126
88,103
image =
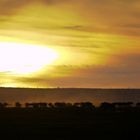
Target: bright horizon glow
x,y
17,58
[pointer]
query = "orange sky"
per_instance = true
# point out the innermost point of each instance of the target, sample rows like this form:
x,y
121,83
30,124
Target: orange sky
x,y
97,43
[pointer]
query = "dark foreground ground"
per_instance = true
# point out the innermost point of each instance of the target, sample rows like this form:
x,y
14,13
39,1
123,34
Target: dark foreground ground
x,y
57,124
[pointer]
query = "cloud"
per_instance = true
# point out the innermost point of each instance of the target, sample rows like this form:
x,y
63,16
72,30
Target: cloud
x,y
103,34
121,73
108,16
91,76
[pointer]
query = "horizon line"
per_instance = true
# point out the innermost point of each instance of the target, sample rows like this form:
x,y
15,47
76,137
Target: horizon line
x,y
94,88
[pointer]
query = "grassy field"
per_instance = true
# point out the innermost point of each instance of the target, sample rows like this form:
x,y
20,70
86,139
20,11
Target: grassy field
x,y
29,123
49,123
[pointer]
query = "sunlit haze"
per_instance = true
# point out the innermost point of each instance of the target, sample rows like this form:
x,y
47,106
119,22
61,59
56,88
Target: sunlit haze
x,y
24,58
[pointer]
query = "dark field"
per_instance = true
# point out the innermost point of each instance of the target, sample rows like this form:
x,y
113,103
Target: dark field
x,y
69,121
30,123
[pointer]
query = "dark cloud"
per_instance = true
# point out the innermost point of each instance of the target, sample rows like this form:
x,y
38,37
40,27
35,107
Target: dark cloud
x,y
74,27
135,25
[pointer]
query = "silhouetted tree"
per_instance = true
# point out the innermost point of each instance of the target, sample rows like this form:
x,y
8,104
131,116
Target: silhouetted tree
x,y
107,107
43,105
27,105
32,105
50,105
60,105
77,105
138,105
35,105
69,105
123,104
18,105
87,106
3,105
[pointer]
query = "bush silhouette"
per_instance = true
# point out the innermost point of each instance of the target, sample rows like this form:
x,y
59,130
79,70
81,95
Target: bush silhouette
x,y
18,105
79,106
3,105
107,106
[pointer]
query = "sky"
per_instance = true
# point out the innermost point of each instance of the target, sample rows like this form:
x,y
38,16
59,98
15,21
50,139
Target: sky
x,y
70,43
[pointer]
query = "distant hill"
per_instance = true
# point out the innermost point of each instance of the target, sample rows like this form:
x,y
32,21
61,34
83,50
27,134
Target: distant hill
x,y
68,95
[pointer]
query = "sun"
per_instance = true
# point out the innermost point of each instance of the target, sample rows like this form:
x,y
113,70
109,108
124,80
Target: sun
x,y
18,58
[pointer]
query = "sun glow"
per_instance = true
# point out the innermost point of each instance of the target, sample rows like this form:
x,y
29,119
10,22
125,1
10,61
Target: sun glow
x,y
16,58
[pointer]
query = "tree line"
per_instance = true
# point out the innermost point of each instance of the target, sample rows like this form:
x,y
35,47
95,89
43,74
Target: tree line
x,y
86,106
